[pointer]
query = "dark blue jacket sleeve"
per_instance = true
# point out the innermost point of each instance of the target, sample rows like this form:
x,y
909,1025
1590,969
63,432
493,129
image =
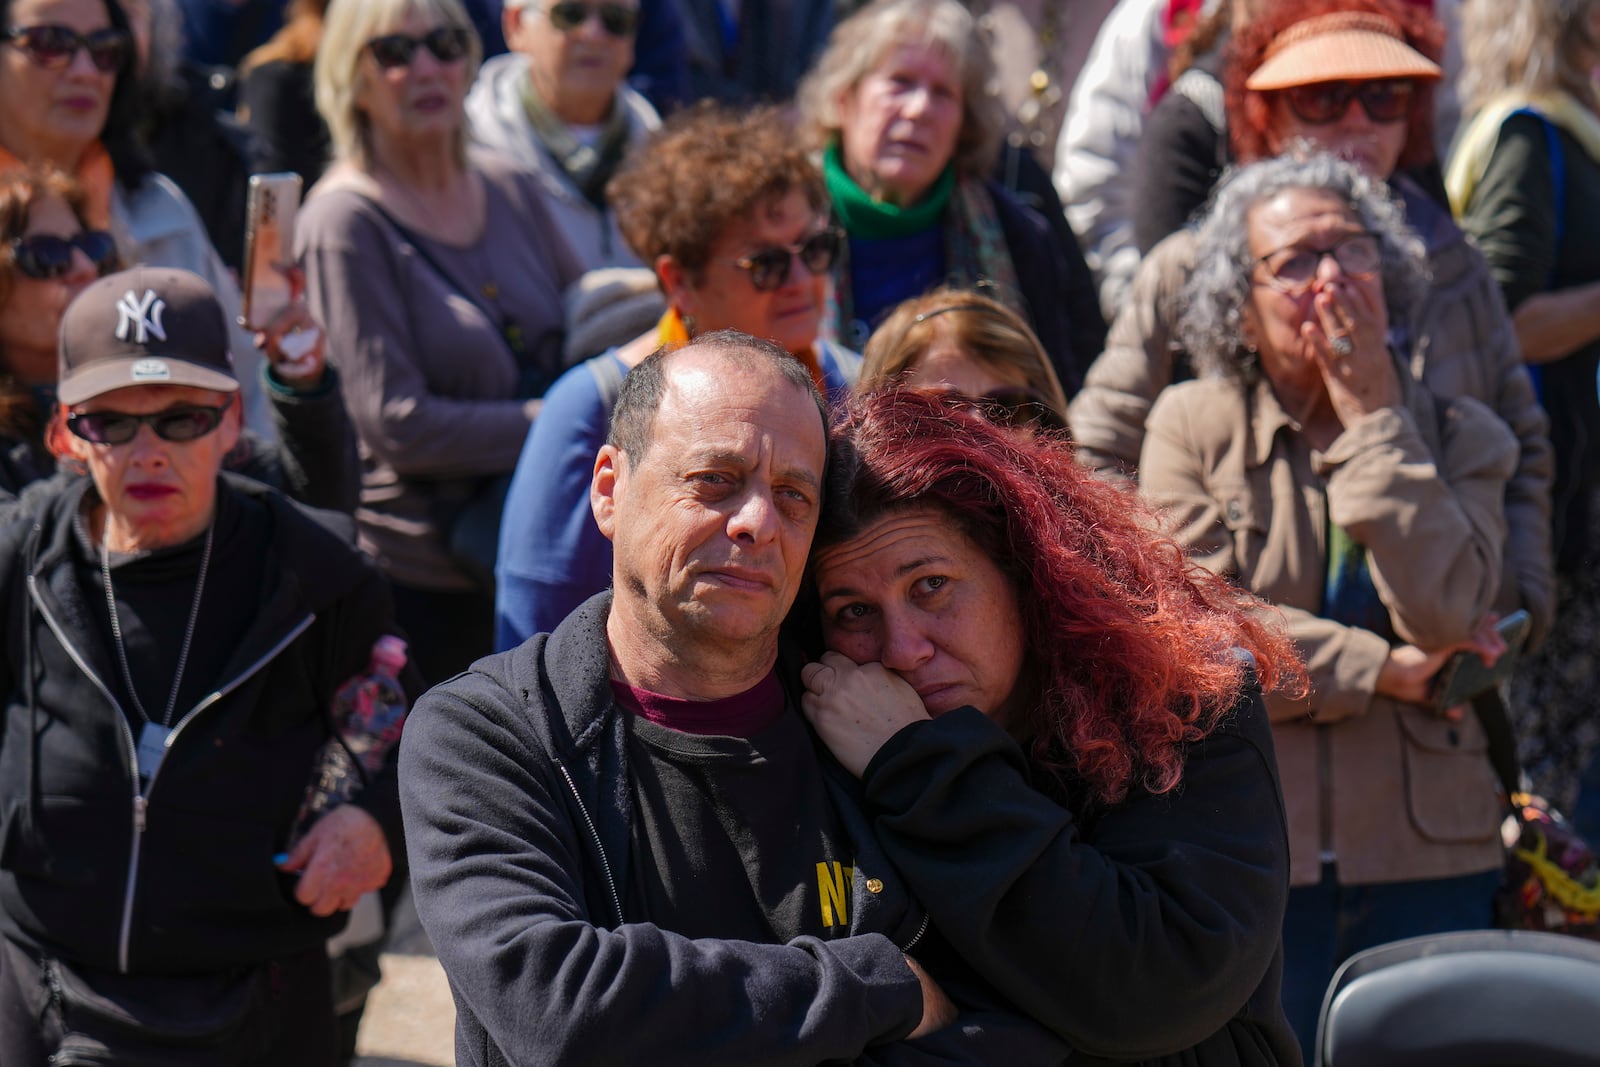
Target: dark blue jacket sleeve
x,y
1048,286
552,556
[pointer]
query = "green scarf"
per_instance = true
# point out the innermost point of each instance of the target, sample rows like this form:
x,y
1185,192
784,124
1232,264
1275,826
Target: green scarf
x,y
862,216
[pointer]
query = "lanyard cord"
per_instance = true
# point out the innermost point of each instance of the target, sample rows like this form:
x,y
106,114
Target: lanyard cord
x,y
188,633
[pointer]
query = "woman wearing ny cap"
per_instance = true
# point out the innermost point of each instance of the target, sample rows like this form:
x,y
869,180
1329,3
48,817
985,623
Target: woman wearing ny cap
x,y
1353,78
48,254
173,643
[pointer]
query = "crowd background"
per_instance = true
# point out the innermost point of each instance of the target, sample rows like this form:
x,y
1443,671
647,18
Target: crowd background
x,y
488,245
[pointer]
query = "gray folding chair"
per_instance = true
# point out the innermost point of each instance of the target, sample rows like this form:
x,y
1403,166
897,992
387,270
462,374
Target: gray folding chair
x,y
1478,998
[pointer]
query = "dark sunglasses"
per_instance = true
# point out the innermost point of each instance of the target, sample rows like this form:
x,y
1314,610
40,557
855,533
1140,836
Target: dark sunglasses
x,y
54,47
189,422
617,20
447,43
1385,100
45,256
1015,407
769,267
1293,270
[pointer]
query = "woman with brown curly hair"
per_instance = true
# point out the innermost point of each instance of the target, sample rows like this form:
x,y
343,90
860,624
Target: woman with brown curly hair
x,y
732,217
1058,734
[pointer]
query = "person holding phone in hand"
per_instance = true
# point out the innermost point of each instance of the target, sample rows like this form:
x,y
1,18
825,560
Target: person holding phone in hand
x,y
175,640
1306,465
48,254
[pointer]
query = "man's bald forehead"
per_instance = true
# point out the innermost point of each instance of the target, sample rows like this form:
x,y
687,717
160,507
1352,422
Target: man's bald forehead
x,y
644,389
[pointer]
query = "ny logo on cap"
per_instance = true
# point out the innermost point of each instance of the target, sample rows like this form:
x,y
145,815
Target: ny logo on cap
x,y
142,317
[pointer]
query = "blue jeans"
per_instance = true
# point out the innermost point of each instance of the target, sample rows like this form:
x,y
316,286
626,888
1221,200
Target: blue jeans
x,y
1327,923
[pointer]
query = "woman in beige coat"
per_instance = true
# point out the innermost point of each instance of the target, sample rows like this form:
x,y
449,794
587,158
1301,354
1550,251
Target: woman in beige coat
x,y
1458,338
1309,467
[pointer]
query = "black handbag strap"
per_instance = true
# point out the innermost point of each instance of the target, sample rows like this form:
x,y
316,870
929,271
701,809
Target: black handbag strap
x,y
1492,713
501,325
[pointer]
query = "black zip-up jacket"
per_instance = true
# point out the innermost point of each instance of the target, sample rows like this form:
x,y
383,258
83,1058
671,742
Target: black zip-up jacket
x,y
517,804
178,878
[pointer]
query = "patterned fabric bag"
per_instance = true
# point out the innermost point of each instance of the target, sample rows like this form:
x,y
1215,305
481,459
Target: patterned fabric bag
x,y
1552,876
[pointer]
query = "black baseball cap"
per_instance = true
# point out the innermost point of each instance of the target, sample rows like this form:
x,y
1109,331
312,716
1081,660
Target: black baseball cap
x,y
145,326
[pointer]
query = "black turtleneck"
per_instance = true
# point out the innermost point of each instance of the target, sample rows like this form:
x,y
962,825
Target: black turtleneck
x,y
154,592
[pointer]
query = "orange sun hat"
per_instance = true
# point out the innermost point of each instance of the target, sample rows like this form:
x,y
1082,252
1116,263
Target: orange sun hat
x,y
1340,46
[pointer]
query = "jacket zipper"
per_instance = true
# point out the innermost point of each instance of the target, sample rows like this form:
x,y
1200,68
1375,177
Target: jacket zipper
x,y
909,945
141,803
605,865
141,799
128,751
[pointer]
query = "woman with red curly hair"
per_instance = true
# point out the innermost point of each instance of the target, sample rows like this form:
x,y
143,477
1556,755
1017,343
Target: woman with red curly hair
x,y
1058,730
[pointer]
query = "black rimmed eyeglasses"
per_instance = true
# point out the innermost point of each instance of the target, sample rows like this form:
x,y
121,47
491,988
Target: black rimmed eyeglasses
x,y
186,422
54,47
769,267
1292,270
447,43
1016,407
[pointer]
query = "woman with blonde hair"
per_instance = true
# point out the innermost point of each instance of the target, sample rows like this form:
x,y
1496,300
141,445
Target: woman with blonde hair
x,y
963,342
437,275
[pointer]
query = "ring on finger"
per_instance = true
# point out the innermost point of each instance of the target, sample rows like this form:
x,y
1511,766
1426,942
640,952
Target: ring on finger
x,y
1341,345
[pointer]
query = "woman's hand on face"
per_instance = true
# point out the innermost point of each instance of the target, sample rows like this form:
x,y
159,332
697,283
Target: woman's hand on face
x,y
292,341
1363,379
856,708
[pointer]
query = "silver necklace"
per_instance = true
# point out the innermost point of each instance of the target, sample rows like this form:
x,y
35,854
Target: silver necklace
x,y
188,633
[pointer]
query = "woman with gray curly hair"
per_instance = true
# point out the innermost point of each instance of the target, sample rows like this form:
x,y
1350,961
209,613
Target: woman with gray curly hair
x,y
1309,467
900,107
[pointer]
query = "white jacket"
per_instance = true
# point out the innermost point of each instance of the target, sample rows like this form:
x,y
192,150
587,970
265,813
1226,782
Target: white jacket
x,y
1094,157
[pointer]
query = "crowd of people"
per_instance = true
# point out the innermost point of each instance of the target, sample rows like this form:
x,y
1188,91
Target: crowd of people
x,y
922,531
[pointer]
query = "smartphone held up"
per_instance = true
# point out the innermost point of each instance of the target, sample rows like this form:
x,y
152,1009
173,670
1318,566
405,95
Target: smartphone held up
x,y
270,207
